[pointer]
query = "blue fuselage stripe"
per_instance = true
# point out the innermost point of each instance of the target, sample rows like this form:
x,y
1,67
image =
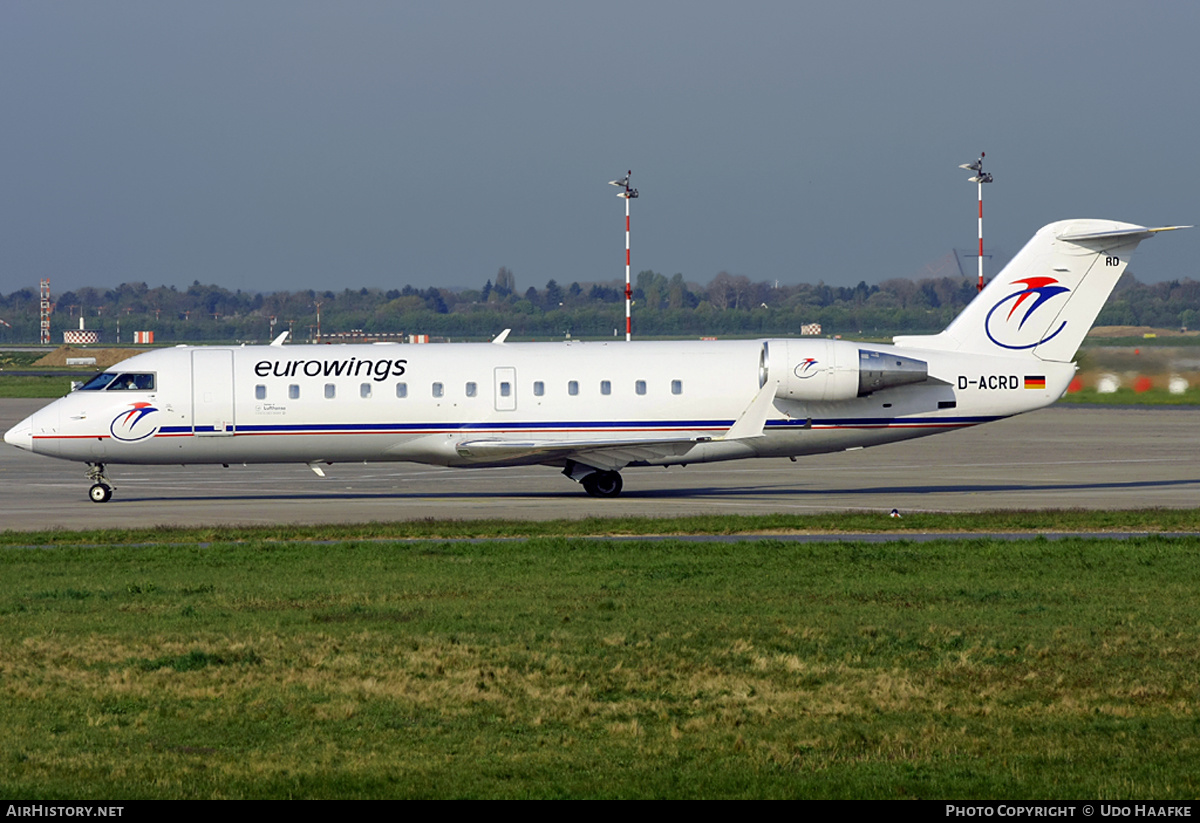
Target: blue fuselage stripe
x,y
595,425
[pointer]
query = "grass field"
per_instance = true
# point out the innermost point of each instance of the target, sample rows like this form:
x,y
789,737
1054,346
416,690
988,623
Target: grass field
x,y
999,521
572,667
50,385
1125,396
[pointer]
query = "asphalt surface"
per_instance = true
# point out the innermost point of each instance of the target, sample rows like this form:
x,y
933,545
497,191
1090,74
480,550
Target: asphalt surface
x,y
1058,458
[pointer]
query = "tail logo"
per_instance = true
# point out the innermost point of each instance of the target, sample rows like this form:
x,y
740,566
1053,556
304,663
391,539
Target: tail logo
x,y
1005,324
132,424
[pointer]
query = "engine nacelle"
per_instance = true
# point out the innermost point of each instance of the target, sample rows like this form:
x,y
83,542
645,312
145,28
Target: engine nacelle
x,y
824,370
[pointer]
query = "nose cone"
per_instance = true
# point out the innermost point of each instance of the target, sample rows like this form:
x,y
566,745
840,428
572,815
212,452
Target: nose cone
x,y
21,435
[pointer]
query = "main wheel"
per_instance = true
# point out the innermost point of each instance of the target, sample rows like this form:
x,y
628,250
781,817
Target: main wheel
x,y
602,484
100,493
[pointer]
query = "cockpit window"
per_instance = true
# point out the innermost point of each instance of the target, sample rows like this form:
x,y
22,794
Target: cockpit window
x,y
98,382
132,382
128,381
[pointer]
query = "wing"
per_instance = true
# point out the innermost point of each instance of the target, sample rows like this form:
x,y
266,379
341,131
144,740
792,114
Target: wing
x,y
614,453
609,454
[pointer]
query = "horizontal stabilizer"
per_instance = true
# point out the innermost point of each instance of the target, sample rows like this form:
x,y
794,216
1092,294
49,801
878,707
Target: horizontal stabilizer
x,y
1132,233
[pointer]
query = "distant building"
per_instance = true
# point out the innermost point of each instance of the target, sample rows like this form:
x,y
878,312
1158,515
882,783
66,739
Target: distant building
x,y
810,329
76,337
80,336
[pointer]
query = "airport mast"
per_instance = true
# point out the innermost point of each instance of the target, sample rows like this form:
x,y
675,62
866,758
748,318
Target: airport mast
x,y
44,289
628,194
980,178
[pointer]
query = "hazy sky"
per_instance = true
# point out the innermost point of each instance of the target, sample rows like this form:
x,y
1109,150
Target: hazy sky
x,y
284,144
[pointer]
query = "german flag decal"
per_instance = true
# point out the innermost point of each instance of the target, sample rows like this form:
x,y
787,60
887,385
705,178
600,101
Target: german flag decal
x,y
1035,381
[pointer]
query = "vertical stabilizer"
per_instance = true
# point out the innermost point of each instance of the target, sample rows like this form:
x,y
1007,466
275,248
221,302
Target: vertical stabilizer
x,y
1045,300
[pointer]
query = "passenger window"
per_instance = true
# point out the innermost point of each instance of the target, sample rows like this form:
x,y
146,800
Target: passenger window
x,y
471,390
539,388
402,390
676,387
364,391
606,387
573,388
438,390
293,392
260,392
505,389
330,391
640,387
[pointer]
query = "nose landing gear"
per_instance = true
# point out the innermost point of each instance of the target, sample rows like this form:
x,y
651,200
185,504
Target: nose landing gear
x,y
102,490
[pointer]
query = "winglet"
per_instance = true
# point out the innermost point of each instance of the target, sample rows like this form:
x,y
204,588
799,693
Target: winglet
x,y
501,337
754,418
278,341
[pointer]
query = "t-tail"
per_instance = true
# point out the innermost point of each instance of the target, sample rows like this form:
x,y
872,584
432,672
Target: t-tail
x,y
1045,300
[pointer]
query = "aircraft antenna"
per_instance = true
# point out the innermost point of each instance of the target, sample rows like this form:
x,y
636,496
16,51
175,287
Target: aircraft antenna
x,y
979,179
628,194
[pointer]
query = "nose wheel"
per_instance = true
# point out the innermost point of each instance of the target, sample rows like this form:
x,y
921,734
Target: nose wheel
x,y
102,488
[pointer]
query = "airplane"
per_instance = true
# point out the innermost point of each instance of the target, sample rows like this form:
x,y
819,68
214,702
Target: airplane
x,y
591,409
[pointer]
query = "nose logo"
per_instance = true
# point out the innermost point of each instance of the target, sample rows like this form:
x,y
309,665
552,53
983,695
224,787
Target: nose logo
x,y
135,423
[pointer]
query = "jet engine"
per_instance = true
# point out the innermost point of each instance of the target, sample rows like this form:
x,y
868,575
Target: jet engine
x,y
824,370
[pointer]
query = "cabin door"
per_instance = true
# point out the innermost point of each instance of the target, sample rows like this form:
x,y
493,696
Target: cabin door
x,y
212,393
506,388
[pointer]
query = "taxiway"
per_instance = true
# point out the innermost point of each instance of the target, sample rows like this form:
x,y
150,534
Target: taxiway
x,y
1057,458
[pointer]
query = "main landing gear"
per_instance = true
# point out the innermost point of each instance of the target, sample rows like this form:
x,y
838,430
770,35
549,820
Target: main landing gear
x,y
596,482
602,484
101,491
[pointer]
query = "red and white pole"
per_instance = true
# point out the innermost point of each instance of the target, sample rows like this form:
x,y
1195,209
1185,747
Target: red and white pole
x,y
980,186
628,286
628,194
979,179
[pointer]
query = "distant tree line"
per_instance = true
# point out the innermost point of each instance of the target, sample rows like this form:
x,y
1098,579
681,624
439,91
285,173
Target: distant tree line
x,y
663,306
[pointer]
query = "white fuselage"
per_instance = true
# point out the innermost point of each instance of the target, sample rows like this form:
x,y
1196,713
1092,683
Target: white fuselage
x,y
422,403
595,408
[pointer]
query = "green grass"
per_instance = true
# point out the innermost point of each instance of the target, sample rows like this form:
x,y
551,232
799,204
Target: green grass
x,y
1128,397
1033,521
559,667
55,383
1140,342
32,386
21,359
